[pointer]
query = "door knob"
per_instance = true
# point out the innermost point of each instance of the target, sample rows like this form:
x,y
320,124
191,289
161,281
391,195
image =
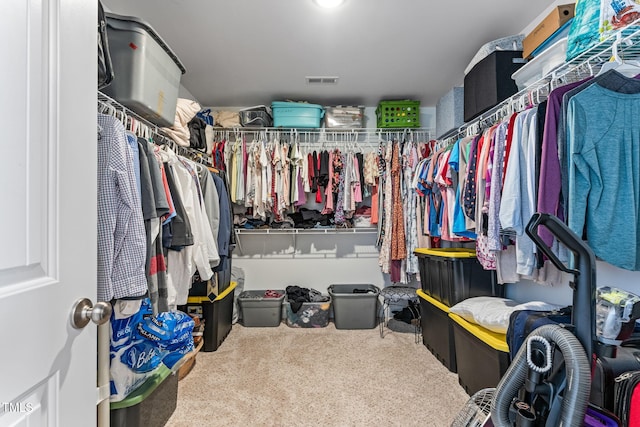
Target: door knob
x,y
83,311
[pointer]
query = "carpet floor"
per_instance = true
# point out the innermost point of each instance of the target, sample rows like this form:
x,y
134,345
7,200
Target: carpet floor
x,y
286,376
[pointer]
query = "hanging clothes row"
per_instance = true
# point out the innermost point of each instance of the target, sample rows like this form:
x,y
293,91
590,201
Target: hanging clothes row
x,y
273,177
161,215
400,215
574,155
286,183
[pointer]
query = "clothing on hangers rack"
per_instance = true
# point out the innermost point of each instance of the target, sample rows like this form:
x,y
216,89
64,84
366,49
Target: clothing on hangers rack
x,y
178,209
530,154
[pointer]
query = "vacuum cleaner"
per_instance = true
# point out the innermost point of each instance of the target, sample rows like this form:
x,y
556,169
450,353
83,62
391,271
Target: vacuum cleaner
x,y
548,383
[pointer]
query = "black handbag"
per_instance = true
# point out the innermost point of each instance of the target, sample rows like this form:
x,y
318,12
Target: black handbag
x,y
105,67
197,136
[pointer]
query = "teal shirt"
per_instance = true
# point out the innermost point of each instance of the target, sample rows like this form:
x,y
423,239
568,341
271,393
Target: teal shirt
x,y
603,137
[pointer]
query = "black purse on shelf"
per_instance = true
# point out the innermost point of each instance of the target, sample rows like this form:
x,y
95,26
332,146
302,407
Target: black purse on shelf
x,y
105,67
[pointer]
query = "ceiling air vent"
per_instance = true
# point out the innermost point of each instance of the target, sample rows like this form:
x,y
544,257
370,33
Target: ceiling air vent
x,y
322,80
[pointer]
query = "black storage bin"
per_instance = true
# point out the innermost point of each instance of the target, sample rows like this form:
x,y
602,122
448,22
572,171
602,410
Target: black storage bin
x,y
151,404
450,275
489,82
217,316
437,330
482,356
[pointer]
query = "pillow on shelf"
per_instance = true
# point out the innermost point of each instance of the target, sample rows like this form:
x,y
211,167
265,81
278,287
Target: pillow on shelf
x,y
493,313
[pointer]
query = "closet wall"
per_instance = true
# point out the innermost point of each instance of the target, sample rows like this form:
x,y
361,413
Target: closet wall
x,y
315,258
319,260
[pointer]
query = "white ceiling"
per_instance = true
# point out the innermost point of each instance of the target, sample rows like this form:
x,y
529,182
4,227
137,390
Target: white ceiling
x,y
250,52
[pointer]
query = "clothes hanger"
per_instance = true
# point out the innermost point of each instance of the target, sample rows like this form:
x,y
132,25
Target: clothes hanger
x,y
626,68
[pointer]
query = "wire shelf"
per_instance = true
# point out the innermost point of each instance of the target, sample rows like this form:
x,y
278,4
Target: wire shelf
x,y
625,43
144,128
328,136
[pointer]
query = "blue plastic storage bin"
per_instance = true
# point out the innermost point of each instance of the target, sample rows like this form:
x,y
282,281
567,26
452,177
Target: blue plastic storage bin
x,y
296,114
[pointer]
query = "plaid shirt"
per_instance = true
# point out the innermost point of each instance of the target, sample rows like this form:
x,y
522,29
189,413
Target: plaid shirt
x,y
121,236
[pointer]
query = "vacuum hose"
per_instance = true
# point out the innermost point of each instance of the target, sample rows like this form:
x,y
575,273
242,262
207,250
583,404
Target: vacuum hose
x,y
578,379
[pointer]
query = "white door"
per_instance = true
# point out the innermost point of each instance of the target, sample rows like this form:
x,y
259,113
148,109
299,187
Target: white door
x,y
47,211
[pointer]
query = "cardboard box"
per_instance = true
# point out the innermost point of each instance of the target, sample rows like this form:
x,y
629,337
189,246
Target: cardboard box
x,y
556,19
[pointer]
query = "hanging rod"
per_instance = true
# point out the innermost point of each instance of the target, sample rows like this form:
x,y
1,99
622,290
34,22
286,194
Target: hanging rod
x,y
161,137
588,63
330,135
110,101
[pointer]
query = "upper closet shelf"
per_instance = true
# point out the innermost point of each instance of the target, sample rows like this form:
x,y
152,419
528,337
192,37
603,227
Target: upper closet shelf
x,y
623,45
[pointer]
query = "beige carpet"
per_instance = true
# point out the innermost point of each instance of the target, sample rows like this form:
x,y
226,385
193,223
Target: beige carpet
x,y
318,377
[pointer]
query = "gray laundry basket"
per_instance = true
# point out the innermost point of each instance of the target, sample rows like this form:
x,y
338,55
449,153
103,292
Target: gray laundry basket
x,y
355,306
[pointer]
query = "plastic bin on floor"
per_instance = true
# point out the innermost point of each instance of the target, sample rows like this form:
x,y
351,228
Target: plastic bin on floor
x,y
354,306
437,330
450,275
217,316
482,356
310,315
260,311
151,404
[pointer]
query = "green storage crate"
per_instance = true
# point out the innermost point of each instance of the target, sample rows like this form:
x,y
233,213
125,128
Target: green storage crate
x,y
151,404
398,114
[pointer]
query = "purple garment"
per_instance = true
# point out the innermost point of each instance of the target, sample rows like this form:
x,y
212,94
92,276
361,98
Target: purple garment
x,y
339,215
302,197
396,271
550,184
469,195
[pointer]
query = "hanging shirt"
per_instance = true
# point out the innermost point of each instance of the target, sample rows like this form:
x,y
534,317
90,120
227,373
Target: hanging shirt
x,y
132,140
286,179
516,205
204,253
495,196
249,185
410,201
240,173
121,235
604,173
154,207
177,232
458,161
387,213
210,201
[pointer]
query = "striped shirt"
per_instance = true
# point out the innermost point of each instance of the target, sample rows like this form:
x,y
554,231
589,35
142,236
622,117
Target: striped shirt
x,y
121,235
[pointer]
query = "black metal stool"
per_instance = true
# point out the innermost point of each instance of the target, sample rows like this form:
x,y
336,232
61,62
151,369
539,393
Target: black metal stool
x,y
393,295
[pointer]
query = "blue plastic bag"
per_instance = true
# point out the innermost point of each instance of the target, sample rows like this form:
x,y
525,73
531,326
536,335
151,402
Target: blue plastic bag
x,y
142,342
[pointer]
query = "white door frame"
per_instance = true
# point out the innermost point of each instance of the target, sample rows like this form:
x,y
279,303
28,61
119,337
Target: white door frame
x,y
48,214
